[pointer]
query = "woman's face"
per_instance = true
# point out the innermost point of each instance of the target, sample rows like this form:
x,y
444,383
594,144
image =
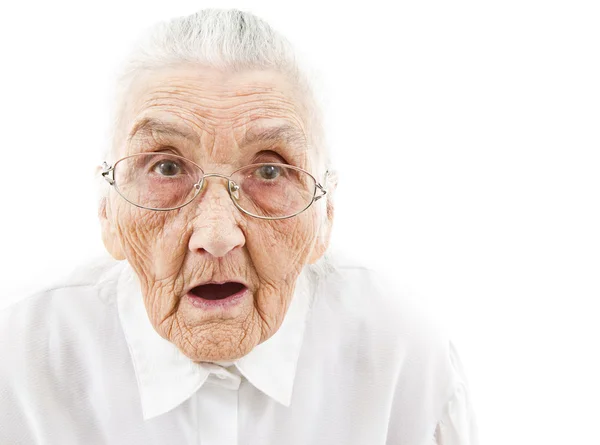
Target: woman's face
x,y
213,118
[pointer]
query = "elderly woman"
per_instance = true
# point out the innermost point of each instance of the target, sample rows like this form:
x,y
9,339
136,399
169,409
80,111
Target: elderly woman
x,y
219,318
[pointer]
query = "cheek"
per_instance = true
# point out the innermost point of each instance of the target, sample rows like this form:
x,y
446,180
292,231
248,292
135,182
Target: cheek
x,y
152,241
279,248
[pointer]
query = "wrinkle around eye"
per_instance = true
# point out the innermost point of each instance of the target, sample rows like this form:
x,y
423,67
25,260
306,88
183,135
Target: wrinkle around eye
x,y
269,156
149,149
281,154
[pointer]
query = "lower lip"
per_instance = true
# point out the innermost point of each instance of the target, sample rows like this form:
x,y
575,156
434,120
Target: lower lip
x,y
224,303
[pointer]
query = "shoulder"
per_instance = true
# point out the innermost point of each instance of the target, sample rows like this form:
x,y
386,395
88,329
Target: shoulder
x,y
57,346
365,308
376,300
95,277
66,311
370,325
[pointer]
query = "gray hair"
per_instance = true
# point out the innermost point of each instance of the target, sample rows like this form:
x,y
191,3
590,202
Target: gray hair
x,y
230,40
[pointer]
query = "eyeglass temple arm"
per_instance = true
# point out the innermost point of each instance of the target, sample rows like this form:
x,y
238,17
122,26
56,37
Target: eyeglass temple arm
x,y
322,187
106,171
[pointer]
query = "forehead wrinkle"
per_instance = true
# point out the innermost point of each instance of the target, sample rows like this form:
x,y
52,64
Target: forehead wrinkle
x,y
228,88
220,142
215,93
218,151
202,119
210,103
215,101
211,113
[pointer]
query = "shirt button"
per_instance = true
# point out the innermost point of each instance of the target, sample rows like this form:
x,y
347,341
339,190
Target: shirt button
x,y
221,376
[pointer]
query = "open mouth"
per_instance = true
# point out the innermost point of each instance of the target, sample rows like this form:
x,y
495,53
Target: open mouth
x,y
218,291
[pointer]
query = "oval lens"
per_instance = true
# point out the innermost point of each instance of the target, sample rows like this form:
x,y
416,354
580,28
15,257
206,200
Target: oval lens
x,y
157,180
273,190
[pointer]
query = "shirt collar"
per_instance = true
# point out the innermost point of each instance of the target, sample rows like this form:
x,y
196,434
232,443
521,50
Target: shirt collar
x,y
166,377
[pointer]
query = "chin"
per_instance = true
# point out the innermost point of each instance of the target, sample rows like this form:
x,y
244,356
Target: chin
x,y
216,340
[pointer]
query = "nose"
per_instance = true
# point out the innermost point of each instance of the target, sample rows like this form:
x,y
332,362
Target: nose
x,y
216,230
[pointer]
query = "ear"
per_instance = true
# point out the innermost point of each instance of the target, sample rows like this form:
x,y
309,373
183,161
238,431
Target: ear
x,y
110,238
322,242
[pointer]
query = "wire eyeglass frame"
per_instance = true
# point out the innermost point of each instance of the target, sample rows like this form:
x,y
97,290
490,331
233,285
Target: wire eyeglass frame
x,y
108,174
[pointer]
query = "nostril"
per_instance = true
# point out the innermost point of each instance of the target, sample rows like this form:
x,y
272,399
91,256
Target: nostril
x,y
216,234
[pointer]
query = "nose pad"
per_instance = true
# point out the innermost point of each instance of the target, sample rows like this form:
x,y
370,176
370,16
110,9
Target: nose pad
x,y
234,189
205,188
215,228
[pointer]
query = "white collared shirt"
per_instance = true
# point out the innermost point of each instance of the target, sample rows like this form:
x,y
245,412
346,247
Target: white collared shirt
x,y
80,363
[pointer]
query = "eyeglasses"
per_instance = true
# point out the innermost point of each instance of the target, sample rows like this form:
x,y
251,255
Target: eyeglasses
x,y
164,181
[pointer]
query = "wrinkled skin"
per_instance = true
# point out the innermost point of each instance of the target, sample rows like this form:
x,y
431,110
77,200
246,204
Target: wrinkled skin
x,y
210,239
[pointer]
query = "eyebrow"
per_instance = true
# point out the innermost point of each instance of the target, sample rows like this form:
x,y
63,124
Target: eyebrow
x,y
149,125
289,134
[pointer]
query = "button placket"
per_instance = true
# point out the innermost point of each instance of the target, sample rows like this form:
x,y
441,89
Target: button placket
x,y
217,415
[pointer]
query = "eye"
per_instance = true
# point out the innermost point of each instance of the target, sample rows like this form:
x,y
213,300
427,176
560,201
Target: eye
x,y
167,168
269,171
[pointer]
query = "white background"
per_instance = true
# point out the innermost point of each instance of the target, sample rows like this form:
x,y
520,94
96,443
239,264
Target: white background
x,y
466,135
